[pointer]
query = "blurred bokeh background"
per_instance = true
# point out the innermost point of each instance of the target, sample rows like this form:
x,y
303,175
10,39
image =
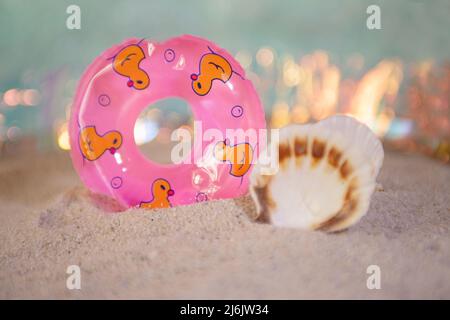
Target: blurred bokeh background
x,y
308,59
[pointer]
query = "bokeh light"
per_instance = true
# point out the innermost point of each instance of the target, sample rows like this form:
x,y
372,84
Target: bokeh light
x,y
265,57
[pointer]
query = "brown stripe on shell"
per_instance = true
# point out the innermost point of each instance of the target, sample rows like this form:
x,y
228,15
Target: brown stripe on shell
x,y
350,189
345,170
348,209
318,151
300,146
284,153
300,149
334,156
267,205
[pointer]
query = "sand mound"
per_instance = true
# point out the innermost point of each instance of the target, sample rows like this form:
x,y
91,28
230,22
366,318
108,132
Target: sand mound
x,y
49,221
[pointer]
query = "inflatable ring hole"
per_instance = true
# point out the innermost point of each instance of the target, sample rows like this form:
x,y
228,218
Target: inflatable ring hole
x,y
155,125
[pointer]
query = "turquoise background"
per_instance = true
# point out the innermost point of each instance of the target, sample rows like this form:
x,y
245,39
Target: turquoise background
x,y
38,51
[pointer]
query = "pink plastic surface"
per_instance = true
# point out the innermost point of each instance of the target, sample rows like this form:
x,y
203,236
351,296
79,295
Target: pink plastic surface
x,y
122,82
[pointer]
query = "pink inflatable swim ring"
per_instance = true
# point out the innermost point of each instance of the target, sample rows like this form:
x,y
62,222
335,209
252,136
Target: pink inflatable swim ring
x,y
123,81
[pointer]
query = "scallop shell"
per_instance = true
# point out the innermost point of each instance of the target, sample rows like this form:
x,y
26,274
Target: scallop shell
x,y
327,174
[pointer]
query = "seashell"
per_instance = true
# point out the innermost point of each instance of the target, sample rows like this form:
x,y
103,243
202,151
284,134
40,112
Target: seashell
x,y
327,174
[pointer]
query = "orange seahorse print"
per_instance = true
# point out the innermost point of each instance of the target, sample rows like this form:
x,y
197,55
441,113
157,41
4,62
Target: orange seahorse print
x,y
126,63
212,67
93,145
239,156
161,192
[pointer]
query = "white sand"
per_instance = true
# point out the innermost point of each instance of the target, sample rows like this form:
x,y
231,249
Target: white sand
x,y
212,250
